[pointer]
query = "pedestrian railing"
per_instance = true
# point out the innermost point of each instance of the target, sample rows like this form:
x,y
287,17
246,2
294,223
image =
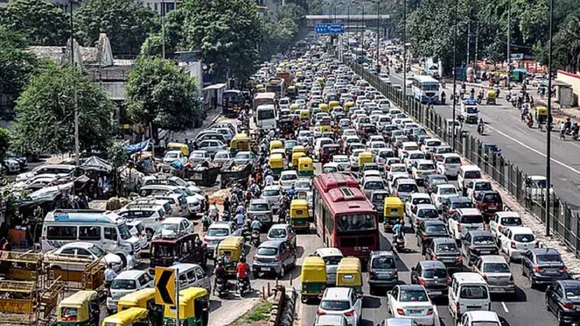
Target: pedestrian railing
x,y
565,221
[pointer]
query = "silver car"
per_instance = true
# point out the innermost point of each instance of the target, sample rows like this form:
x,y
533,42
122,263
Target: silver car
x,y
217,232
274,257
211,146
271,193
223,157
260,209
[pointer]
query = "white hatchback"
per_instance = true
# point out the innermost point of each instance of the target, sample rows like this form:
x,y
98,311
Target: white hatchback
x,y
125,283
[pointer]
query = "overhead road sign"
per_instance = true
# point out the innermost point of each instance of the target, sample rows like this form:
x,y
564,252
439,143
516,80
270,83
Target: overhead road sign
x,y
165,286
329,29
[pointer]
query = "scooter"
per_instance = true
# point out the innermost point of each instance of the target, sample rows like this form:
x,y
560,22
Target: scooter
x,y
255,238
399,243
222,288
243,287
480,129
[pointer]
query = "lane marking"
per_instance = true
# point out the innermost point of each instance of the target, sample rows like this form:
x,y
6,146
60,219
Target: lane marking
x,y
505,307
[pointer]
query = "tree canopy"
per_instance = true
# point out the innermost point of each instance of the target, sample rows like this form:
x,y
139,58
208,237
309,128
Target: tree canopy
x,y
127,23
45,119
42,22
162,94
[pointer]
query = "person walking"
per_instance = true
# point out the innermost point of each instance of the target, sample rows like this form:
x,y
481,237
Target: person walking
x,y
110,275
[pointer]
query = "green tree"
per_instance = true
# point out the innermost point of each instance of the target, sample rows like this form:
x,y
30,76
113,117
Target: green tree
x,y
5,142
42,22
45,113
227,32
127,23
161,94
174,37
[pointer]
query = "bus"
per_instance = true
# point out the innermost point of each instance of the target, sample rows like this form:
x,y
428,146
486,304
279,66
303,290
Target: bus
x,y
277,86
263,99
425,89
232,102
344,217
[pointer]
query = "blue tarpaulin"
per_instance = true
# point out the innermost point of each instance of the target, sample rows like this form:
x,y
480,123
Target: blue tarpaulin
x,y
136,148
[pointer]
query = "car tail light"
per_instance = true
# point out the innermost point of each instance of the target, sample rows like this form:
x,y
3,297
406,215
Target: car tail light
x,y
320,313
349,313
434,257
568,305
513,245
537,269
424,237
537,245
421,281
400,312
430,312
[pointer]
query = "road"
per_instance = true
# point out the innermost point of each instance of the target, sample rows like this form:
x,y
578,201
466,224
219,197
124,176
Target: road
x,y
526,147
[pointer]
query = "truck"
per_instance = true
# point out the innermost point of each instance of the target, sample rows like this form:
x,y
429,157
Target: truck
x,y
287,78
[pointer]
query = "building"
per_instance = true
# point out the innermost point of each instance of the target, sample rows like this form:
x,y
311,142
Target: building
x,y
160,6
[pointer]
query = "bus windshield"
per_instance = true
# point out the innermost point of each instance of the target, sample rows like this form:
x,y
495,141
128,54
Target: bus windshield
x,y
356,222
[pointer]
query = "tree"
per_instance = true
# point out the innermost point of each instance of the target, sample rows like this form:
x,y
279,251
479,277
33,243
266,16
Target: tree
x,y
127,23
45,113
161,94
227,33
174,37
42,22
117,156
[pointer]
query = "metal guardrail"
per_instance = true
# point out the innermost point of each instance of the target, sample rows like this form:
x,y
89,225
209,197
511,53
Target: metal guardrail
x,y
565,221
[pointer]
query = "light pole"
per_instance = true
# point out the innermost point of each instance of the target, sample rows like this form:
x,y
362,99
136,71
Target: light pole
x,y
547,196
404,86
378,33
509,50
454,71
363,28
75,95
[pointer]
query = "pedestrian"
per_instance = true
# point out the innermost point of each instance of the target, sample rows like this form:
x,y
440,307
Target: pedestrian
x,y
206,202
227,205
110,275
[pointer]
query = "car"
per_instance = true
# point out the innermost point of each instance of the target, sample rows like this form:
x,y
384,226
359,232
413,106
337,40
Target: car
x,y
413,156
496,272
288,179
211,146
448,164
331,257
82,251
331,320
303,185
434,180
61,170
192,275
446,251
272,193
341,301
353,158
198,156
173,227
245,157
421,169
124,283
172,156
479,317
398,322
342,161
478,185
466,174
209,135
260,209
373,183
433,276
543,266
217,232
488,202
382,268
403,188
36,183
464,220
517,240
500,220
450,204
427,231
477,243
416,199
396,168
223,156
430,145
562,298
411,301
442,192
274,257
423,212
282,232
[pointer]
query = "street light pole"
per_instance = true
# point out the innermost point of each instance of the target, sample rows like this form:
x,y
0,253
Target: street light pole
x,y
454,71
547,196
404,86
378,32
75,95
163,28
509,50
363,27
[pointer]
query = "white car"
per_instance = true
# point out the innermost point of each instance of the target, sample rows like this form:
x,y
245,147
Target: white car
x,y
501,220
411,301
396,168
430,144
342,161
442,192
478,185
516,240
330,320
173,156
173,227
331,168
288,179
343,302
475,318
127,282
413,156
416,199
449,164
272,193
82,251
422,212
353,158
421,169
303,185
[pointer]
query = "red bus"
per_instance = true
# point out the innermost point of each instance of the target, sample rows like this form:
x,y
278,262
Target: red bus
x,y
344,217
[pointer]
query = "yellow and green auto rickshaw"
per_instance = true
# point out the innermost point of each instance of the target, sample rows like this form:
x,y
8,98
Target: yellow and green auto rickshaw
x,y
240,143
274,144
542,114
193,308
394,210
364,158
349,274
305,116
294,107
260,88
325,128
233,249
305,167
143,298
179,147
295,159
313,278
333,104
298,149
299,217
348,105
129,317
80,309
491,97
276,163
323,107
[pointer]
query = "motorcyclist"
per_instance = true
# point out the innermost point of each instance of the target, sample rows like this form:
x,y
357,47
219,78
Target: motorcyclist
x,y
220,275
256,225
398,229
243,271
480,125
240,219
223,259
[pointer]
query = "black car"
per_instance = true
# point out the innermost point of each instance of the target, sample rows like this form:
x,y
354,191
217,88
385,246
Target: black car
x,y
543,266
446,251
433,180
449,205
433,275
489,150
563,299
382,269
478,243
427,231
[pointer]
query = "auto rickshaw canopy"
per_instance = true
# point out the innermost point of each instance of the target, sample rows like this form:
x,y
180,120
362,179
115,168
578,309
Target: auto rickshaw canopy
x,y
313,270
348,272
186,303
491,94
274,144
394,207
298,149
137,299
324,107
304,114
184,148
126,317
364,158
294,107
276,161
296,157
305,164
233,245
79,303
333,104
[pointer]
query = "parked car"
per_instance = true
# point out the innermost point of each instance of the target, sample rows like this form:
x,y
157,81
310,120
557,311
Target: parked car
x,y
82,250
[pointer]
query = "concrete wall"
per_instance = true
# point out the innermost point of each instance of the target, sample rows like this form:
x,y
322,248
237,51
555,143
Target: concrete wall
x,y
571,79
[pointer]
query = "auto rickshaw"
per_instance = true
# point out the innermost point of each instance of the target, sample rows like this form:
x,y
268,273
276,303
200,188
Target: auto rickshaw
x,y
299,149
260,88
323,107
333,104
321,80
240,142
325,128
233,248
179,147
193,308
299,214
394,210
313,278
305,116
364,158
348,105
274,144
348,274
81,308
143,298
542,114
129,317
305,167
491,97
276,163
296,157
294,107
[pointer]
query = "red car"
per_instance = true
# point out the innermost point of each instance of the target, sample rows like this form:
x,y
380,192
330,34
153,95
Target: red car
x,y
327,151
488,202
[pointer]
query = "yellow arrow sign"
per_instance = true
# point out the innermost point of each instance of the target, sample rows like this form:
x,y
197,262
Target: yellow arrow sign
x,y
165,286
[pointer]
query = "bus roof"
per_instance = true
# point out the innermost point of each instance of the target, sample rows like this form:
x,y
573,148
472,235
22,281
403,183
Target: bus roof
x,y
327,181
347,200
424,79
270,95
233,91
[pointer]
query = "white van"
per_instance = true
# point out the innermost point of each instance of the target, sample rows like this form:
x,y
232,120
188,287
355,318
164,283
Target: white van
x,y
466,174
266,117
468,292
192,275
103,228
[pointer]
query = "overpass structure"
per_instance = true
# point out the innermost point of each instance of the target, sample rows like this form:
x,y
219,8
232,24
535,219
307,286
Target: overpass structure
x,y
352,22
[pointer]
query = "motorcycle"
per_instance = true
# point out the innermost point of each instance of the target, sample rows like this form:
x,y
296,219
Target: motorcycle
x,y
206,222
226,216
243,287
255,238
480,129
399,243
222,288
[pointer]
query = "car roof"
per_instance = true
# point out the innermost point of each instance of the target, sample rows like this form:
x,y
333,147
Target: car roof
x,y
329,252
469,211
492,259
382,253
459,199
424,162
220,224
432,264
482,315
545,251
443,240
259,200
434,222
131,274
271,244
273,187
78,244
508,214
336,293
470,168
409,287
480,232
171,220
279,226
521,229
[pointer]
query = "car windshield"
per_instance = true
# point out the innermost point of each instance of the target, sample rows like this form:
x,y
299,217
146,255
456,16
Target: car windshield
x,y
277,233
462,204
242,156
356,223
573,292
552,258
472,219
511,221
119,284
473,292
408,188
483,240
168,227
97,251
218,232
447,248
539,183
271,192
335,305
374,185
472,175
438,181
302,184
447,191
259,207
171,155
413,296
435,229
124,232
435,272
417,156
267,251
332,260
340,159
428,213
426,167
496,268
289,176
524,238
491,198
395,169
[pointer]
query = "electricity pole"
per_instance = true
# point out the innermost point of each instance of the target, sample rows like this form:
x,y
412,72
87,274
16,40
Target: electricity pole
x,y
547,196
404,86
75,95
454,71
